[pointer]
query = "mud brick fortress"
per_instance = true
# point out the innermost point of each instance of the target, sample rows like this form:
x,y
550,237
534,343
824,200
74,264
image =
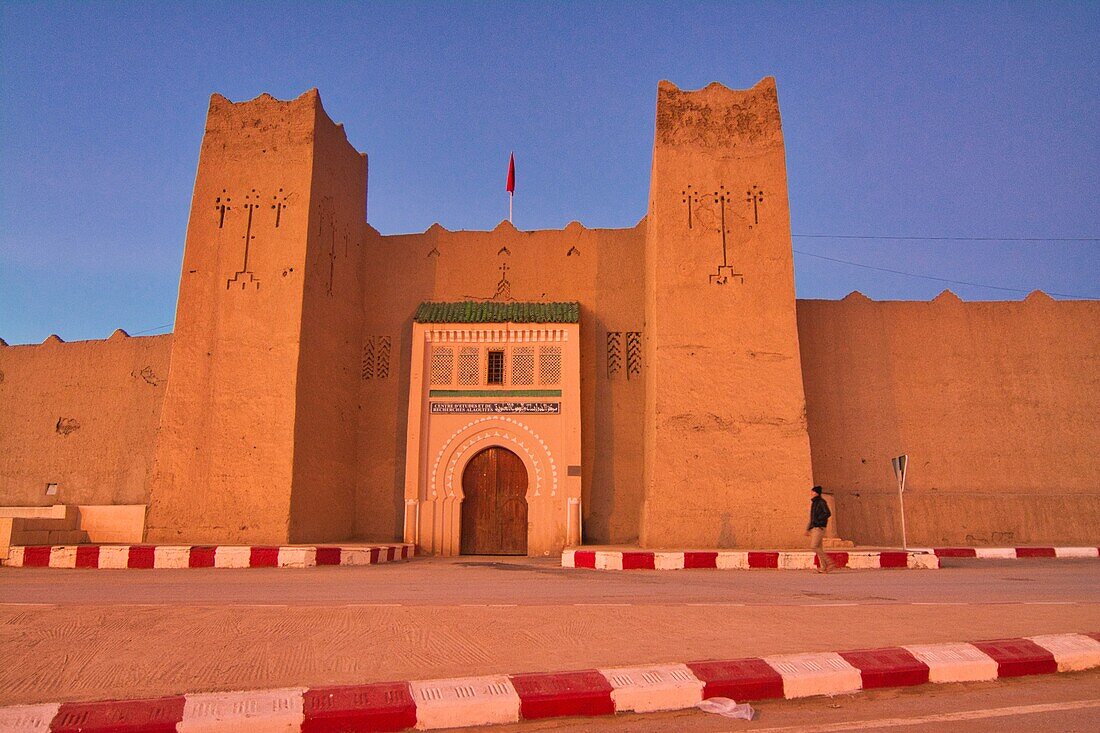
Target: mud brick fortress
x,y
513,391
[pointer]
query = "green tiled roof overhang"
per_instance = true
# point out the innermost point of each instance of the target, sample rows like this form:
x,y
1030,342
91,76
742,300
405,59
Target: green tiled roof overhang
x,y
472,311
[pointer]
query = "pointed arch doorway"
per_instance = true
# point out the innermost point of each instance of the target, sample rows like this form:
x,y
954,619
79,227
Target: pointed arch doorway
x,y
494,507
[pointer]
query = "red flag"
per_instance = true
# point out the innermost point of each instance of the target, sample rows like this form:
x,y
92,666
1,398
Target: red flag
x,y
511,186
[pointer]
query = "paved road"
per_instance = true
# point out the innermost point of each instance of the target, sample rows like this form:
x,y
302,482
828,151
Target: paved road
x,y
1062,704
79,634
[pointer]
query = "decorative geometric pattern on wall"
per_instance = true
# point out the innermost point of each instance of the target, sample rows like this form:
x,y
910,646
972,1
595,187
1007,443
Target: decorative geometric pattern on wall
x,y
633,354
523,366
443,365
382,365
617,343
368,359
614,353
755,196
549,364
376,358
469,371
245,277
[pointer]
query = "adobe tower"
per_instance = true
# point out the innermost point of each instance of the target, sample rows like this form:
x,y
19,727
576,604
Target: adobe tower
x,y
727,454
257,437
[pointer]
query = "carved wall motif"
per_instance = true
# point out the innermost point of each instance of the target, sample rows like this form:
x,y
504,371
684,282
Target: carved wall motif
x,y
633,354
755,196
382,365
614,353
375,363
245,276
504,287
713,211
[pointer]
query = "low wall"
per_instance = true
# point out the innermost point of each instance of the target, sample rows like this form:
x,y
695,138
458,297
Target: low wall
x,y
994,402
83,416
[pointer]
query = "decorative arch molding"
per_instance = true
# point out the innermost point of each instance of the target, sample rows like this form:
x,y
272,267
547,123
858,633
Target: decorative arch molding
x,y
485,432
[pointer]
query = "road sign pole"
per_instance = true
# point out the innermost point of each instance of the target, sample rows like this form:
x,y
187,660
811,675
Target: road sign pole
x,y
901,500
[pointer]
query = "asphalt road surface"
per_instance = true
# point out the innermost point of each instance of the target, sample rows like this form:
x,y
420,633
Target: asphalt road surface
x,y
89,634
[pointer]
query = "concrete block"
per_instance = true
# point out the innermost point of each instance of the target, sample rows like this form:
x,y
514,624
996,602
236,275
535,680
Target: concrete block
x,y
32,537
668,561
659,687
230,556
297,557
63,556
5,535
15,557
465,701
66,537
54,511
796,560
825,673
122,523
33,525
1076,552
172,556
1003,553
609,561
954,662
356,556
114,556
732,561
923,561
266,711
863,560
567,557
1073,652
28,718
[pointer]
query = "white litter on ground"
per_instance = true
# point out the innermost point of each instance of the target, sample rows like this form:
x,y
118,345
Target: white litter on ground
x,y
727,707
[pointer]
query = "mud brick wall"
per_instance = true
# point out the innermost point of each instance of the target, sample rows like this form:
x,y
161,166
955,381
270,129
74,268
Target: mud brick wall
x,y
82,415
994,402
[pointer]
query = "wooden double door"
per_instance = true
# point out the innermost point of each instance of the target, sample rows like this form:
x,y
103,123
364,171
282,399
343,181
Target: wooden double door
x,y
494,510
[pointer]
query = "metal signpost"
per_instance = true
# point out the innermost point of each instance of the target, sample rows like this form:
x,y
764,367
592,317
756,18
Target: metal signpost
x,y
900,464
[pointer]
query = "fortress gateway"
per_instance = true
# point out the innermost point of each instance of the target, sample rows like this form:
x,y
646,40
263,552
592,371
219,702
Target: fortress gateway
x,y
517,392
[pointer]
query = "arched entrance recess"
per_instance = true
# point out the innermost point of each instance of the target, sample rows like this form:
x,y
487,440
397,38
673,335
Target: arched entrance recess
x,y
494,505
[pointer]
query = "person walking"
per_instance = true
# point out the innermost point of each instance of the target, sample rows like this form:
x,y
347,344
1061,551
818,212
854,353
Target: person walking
x,y
819,519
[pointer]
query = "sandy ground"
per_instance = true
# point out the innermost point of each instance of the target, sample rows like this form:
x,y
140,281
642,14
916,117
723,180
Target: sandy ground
x,y
84,634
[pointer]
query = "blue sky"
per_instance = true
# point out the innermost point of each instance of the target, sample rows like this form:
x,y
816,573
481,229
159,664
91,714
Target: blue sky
x,y
901,119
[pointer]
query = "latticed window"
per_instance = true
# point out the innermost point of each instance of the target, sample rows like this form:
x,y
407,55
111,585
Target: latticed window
x,y
495,371
443,362
468,368
523,366
549,364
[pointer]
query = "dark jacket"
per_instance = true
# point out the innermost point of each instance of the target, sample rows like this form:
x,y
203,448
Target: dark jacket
x,y
819,513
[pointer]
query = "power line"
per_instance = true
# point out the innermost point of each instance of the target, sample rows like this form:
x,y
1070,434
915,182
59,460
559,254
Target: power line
x,y
937,279
947,239
154,328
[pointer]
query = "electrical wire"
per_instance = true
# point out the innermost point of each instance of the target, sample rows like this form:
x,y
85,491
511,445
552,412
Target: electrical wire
x,y
154,328
947,239
938,279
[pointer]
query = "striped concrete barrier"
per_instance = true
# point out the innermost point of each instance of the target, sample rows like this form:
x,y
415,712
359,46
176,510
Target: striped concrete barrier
x,y
475,701
744,560
202,556
920,557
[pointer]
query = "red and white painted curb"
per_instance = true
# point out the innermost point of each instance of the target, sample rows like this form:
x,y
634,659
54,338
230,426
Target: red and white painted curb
x,y
473,701
1016,553
203,556
921,558
743,560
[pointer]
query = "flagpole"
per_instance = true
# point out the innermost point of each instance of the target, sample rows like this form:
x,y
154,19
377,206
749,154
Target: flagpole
x,y
509,207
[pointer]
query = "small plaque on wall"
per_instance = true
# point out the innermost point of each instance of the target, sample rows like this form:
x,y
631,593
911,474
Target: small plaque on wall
x,y
496,408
